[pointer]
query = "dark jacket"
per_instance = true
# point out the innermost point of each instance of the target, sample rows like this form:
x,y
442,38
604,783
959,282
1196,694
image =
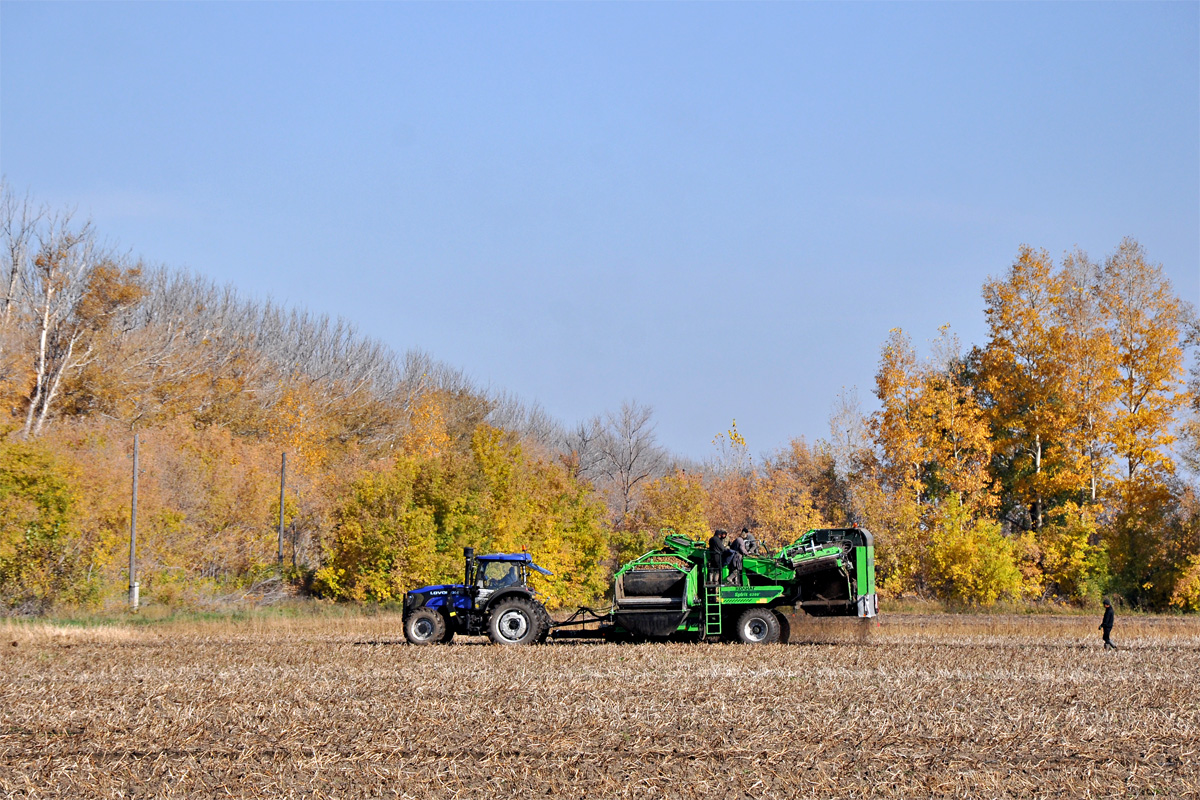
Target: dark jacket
x,y
717,545
1107,623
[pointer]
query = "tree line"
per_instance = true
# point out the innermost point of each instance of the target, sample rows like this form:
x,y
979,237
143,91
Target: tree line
x,y
1043,464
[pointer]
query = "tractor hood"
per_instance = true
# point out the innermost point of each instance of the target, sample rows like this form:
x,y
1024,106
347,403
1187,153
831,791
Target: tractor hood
x,y
441,587
514,558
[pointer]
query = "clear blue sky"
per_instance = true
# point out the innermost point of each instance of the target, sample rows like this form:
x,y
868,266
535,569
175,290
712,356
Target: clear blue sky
x,y
716,209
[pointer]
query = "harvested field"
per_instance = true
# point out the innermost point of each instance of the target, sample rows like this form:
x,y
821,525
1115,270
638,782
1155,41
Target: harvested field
x,y
918,706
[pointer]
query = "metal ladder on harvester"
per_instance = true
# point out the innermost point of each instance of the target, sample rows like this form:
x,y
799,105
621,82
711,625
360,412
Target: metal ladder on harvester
x,y
712,608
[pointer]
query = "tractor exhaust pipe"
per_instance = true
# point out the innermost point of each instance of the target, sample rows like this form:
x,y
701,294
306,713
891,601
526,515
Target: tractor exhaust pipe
x,y
469,567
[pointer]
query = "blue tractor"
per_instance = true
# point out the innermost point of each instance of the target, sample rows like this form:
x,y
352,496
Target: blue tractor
x,y
494,599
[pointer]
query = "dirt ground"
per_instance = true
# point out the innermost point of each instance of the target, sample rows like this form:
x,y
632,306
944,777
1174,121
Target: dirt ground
x,y
916,706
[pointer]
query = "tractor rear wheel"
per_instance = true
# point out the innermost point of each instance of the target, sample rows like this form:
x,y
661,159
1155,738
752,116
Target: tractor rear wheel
x,y
516,620
758,626
547,622
425,626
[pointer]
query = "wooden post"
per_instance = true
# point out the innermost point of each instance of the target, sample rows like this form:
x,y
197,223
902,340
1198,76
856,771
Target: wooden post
x,y
282,486
133,583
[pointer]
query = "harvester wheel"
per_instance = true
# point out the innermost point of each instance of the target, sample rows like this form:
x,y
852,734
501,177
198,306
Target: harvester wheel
x,y
785,627
425,626
515,621
758,626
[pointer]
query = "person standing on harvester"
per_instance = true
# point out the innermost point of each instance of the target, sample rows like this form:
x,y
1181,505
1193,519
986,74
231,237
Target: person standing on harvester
x,y
722,555
745,544
1106,625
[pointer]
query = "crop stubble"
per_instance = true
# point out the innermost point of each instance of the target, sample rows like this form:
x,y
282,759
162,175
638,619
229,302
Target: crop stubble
x,y
920,706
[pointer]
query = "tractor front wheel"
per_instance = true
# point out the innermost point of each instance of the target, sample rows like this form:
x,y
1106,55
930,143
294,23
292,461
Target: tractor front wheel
x,y
425,626
758,626
516,621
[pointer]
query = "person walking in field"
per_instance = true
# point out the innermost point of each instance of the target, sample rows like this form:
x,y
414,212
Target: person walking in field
x,y
1106,625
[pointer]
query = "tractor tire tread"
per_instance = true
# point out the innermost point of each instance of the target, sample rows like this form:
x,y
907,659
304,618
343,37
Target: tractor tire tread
x,y
414,631
785,627
534,613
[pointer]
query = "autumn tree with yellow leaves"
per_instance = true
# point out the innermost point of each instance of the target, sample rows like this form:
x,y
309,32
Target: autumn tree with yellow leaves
x,y
1058,429
406,525
1147,330
797,490
1022,373
934,453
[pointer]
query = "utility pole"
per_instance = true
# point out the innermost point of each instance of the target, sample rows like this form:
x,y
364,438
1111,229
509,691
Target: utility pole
x,y
282,486
133,583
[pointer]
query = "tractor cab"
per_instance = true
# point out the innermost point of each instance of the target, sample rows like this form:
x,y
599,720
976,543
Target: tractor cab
x,y
497,571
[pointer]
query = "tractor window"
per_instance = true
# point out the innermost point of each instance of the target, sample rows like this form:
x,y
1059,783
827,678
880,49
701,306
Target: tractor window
x,y
497,575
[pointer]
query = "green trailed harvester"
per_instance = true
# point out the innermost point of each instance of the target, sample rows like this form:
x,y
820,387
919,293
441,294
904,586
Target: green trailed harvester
x,y
677,591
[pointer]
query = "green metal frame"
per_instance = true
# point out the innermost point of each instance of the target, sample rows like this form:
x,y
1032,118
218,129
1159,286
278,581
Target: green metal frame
x,y
765,579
